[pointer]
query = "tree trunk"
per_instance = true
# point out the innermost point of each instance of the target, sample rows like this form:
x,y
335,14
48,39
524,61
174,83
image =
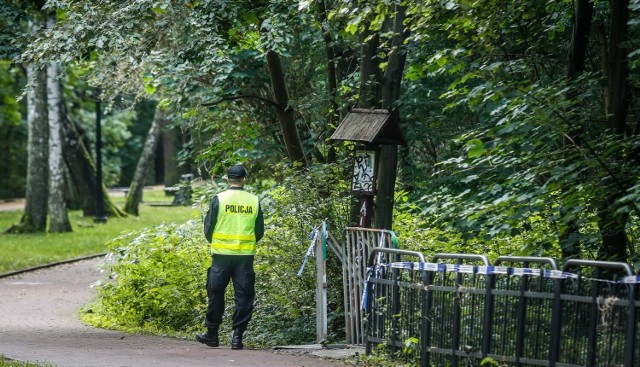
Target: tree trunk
x,y
83,171
612,228
332,78
583,14
369,97
611,222
619,93
34,218
285,112
58,214
369,72
169,138
390,91
146,159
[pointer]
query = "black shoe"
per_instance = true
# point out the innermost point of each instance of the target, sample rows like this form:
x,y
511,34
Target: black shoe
x,y
209,338
236,340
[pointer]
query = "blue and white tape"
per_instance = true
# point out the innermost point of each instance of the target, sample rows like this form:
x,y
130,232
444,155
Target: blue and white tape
x,y
493,270
480,269
633,279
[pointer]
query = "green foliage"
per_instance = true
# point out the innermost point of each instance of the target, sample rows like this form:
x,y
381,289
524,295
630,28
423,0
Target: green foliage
x,y
286,302
503,155
380,356
13,134
530,167
5,362
115,127
491,362
205,61
156,281
410,346
12,13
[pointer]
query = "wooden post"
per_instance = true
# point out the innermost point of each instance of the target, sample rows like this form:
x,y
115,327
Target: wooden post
x,y
366,211
321,286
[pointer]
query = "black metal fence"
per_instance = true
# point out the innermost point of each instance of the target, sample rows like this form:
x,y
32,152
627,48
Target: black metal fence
x,y
460,310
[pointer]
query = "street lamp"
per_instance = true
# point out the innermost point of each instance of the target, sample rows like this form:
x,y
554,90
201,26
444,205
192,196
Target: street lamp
x,y
99,215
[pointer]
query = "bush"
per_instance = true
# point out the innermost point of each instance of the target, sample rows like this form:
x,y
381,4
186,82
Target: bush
x,y
285,307
423,232
156,281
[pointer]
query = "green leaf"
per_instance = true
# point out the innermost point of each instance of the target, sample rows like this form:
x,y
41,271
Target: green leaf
x,y
150,89
475,148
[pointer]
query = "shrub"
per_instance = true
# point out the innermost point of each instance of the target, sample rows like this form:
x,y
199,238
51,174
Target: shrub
x,y
285,307
155,281
156,278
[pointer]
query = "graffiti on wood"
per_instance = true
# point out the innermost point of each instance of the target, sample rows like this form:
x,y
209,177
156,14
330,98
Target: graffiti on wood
x,y
363,172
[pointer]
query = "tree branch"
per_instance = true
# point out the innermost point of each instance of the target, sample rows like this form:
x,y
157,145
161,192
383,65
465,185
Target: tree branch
x,y
233,98
590,149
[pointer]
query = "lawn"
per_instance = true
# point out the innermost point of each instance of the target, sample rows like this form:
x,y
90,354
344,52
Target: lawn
x,y
20,251
4,362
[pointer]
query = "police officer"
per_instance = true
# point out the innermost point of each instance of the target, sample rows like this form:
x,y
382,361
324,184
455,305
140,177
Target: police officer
x,y
233,226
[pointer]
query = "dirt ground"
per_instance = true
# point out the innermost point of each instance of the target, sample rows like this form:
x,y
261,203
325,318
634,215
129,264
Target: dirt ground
x,y
39,323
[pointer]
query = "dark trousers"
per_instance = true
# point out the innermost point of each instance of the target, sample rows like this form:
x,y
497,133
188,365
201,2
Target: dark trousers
x,y
238,268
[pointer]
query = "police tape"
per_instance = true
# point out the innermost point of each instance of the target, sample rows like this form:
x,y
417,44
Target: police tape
x,y
377,270
498,270
632,279
310,251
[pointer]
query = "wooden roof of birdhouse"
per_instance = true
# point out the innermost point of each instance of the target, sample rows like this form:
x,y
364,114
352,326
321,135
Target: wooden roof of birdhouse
x,y
377,127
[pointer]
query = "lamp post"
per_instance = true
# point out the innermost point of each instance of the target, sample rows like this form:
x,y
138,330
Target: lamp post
x,y
99,215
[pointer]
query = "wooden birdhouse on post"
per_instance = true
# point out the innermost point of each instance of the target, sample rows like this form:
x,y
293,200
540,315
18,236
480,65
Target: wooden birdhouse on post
x,y
368,129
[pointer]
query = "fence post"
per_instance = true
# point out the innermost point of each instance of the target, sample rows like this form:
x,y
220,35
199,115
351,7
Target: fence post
x,y
522,308
456,319
629,348
598,265
425,334
554,348
488,314
395,306
593,322
321,285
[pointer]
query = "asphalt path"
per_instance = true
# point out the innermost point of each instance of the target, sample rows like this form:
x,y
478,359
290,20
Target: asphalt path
x,y
39,323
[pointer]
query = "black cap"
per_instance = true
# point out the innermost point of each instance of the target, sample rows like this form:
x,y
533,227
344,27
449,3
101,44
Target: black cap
x,y
236,171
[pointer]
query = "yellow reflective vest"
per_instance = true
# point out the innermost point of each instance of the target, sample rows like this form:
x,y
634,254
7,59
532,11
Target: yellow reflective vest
x,y
234,233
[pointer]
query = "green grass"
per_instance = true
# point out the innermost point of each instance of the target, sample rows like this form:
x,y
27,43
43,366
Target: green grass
x,y
20,251
4,362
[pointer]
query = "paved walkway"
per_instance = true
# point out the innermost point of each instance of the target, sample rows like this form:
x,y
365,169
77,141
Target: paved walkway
x,y
12,204
39,323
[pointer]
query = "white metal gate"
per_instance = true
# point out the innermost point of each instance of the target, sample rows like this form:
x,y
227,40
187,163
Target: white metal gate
x,y
358,244
353,253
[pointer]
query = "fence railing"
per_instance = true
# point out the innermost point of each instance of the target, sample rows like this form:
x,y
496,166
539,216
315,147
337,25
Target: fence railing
x,y
356,249
458,310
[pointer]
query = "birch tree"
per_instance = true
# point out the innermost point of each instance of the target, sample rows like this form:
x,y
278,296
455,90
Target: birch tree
x,y
58,213
146,159
34,217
